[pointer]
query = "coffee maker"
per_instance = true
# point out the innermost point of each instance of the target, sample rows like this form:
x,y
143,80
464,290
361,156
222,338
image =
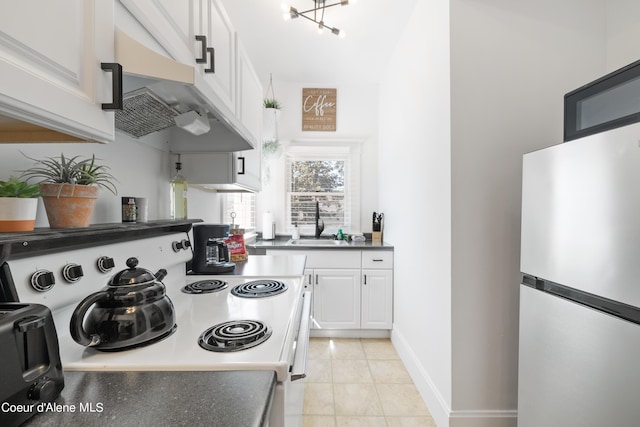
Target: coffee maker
x,y
210,252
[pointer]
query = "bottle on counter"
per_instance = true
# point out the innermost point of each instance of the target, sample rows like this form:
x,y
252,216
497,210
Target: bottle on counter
x,y
178,194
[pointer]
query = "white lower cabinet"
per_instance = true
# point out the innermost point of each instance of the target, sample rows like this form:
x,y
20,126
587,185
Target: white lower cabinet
x,y
336,299
377,299
351,289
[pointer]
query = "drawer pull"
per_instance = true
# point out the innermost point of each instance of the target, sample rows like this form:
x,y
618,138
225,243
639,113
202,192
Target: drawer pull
x,y
377,260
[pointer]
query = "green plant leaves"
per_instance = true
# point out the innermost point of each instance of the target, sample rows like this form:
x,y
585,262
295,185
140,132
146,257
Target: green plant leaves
x,y
74,171
15,187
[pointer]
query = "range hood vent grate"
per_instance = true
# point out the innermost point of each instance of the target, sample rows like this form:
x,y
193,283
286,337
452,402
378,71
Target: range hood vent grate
x,y
143,113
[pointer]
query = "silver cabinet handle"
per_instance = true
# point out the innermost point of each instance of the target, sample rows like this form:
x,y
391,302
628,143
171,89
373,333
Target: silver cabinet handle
x,y
316,279
377,260
365,279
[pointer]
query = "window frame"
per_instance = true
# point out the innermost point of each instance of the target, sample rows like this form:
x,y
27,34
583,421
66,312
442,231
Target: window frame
x,y
347,151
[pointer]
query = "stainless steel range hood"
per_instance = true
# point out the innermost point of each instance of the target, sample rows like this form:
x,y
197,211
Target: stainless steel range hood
x,y
158,90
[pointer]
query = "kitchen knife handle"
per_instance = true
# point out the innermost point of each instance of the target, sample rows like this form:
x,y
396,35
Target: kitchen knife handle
x,y
212,61
203,52
116,86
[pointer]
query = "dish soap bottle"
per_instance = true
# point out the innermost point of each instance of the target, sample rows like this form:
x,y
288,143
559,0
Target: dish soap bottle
x,y
178,194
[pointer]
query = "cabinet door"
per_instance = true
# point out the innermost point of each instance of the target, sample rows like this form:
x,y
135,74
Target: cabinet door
x,y
220,70
249,98
377,299
50,55
336,299
248,169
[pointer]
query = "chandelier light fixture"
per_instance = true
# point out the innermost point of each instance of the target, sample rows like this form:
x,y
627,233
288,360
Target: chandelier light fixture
x,y
316,15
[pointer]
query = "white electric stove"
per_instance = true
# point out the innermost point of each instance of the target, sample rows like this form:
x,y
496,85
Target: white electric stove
x,y
275,309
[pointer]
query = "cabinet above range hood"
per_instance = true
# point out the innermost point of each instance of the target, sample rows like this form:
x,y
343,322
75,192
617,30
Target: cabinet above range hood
x,y
159,92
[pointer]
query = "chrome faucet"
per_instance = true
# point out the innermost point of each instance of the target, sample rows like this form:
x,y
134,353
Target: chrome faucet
x,y
319,222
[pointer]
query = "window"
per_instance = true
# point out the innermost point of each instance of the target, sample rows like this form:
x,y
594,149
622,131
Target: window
x,y
244,206
325,175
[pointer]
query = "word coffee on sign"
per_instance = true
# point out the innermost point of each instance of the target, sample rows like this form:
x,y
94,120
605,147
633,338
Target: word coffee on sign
x,y
319,109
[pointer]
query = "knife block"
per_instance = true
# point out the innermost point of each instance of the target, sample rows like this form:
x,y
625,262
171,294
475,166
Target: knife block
x,y
376,236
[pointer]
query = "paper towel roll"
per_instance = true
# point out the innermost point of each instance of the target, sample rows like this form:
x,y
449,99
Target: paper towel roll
x,y
268,226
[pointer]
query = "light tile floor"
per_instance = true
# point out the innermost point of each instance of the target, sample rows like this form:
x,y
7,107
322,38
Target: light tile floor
x,y
360,382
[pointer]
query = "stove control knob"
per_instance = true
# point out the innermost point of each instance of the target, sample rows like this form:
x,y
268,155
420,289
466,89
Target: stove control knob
x,y
42,280
44,390
182,245
72,272
106,264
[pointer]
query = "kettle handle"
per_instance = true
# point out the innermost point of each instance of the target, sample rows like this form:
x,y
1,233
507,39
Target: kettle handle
x,y
78,333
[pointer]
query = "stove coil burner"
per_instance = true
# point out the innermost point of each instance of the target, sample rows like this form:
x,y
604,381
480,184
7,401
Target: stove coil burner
x,y
259,289
234,335
205,286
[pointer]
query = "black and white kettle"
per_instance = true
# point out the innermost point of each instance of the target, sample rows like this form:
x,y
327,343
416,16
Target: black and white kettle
x,y
133,310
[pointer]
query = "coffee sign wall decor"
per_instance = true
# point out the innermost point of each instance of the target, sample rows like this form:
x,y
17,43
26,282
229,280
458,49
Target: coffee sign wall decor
x,y
319,109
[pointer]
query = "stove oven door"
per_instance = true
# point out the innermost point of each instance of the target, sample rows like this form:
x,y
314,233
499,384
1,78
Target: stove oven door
x,y
294,388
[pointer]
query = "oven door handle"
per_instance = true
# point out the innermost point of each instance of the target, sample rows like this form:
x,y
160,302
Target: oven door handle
x,y
300,359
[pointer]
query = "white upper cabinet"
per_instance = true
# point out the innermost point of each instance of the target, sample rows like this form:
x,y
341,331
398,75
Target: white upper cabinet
x,y
199,33
249,109
50,67
219,69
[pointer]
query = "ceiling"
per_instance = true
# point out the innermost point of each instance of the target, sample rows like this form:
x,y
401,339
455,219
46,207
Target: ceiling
x,y
293,51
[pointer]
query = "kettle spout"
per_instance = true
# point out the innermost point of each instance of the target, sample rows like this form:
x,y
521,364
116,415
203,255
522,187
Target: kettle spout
x,y
161,274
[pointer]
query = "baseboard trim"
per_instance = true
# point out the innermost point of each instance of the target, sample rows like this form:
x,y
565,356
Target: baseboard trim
x,y
349,333
484,418
435,402
440,410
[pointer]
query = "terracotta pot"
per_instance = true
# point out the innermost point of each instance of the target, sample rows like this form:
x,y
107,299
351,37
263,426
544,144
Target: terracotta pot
x,y
17,214
69,206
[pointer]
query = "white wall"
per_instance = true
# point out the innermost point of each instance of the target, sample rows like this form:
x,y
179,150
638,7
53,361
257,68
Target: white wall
x,y
140,166
357,119
511,64
415,195
456,326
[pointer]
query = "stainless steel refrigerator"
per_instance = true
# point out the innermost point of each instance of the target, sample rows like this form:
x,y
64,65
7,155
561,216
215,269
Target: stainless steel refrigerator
x,y
579,345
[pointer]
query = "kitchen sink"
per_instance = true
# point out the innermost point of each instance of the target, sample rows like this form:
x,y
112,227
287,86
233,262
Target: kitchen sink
x,y
317,242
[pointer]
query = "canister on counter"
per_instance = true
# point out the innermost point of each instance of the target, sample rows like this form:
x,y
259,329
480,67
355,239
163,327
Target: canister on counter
x,y
128,209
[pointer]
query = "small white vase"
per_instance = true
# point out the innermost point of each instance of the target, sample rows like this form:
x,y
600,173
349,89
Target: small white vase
x,y
17,214
270,121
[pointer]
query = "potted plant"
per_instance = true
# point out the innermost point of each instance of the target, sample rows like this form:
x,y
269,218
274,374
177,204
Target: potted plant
x,y
272,103
69,188
270,118
18,205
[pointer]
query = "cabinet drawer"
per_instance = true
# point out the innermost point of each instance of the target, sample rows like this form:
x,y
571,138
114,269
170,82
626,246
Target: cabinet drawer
x,y
323,259
377,259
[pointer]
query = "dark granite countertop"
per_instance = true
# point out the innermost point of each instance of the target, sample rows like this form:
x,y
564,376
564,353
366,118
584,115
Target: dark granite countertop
x,y
280,242
134,399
